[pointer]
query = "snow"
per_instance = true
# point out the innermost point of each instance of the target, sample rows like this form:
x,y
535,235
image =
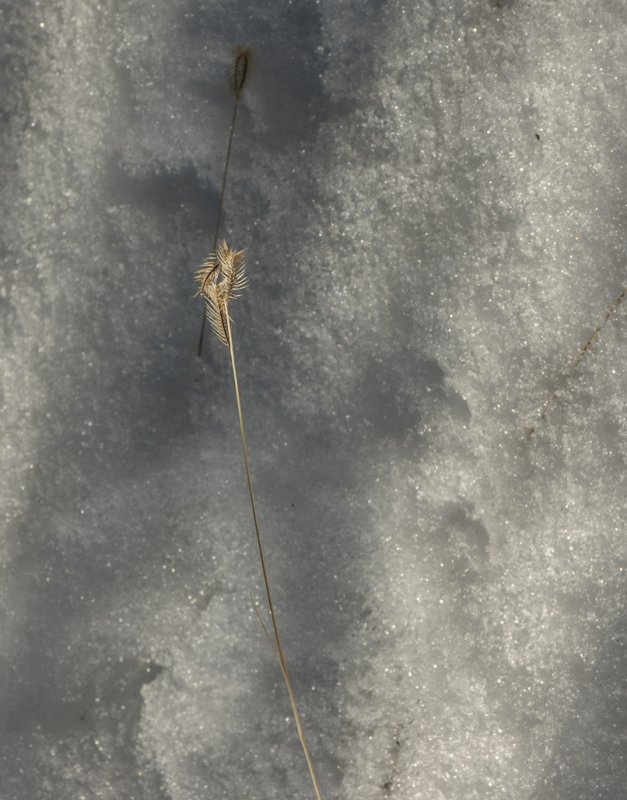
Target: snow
x,y
432,197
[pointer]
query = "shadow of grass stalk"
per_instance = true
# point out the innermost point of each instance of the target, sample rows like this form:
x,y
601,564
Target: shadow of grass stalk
x,y
222,277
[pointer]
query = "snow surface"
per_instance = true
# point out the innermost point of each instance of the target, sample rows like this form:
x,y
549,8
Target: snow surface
x,y
433,199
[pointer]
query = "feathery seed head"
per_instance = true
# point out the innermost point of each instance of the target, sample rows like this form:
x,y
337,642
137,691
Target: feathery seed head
x,y
222,278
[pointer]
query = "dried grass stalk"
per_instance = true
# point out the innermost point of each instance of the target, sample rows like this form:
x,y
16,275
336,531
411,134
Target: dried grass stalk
x,y
222,278
581,354
239,76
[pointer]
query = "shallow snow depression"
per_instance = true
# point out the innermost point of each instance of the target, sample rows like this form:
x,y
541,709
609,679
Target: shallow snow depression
x,y
433,200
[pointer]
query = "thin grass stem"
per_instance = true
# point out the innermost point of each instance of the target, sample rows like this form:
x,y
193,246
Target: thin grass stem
x,y
581,354
216,232
275,627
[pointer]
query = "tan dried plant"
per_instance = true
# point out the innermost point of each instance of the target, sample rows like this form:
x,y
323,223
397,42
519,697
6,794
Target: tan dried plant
x,y
222,277
238,77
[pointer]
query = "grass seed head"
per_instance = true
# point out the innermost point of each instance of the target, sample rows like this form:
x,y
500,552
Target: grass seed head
x,y
222,278
239,72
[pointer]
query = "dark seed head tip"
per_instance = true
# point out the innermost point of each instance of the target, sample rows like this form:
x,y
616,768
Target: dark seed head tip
x,y
239,74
